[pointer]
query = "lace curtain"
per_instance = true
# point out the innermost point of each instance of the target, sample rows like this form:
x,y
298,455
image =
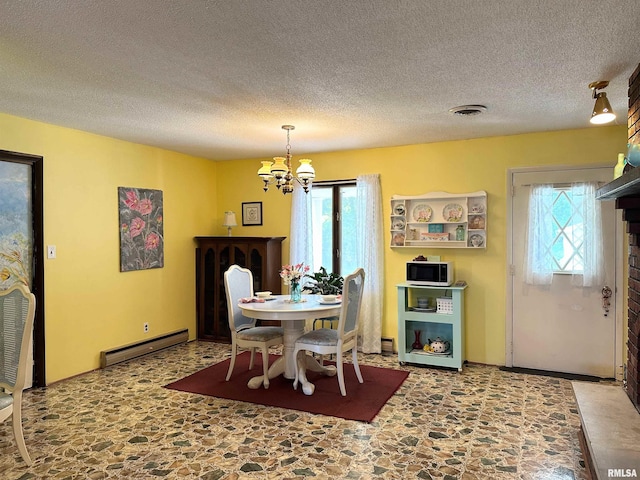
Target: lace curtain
x,y
577,229
301,237
369,225
538,266
370,257
584,195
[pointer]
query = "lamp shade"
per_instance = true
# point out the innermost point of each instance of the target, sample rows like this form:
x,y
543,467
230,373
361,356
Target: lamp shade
x,y
230,219
602,111
305,171
265,171
279,168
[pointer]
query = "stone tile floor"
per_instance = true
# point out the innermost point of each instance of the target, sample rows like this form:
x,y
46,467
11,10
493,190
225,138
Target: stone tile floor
x,y
120,422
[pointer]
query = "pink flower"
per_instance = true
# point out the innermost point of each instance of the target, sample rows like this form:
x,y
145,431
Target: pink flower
x,y
152,242
293,273
137,225
144,207
132,200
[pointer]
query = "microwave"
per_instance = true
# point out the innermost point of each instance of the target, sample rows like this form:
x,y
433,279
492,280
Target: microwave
x,y
436,274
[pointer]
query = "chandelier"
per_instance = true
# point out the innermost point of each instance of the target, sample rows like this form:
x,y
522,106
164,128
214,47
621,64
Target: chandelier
x,y
279,171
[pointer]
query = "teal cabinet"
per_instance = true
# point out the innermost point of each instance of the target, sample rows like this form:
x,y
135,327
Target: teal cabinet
x,y
443,317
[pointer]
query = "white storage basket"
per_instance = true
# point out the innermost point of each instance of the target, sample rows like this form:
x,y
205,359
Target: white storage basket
x,y
444,305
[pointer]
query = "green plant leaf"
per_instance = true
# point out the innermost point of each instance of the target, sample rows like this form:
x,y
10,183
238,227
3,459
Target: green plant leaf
x,y
324,283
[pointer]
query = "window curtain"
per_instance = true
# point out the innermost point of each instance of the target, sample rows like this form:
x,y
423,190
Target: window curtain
x,y
301,229
369,222
538,266
370,253
588,209
585,234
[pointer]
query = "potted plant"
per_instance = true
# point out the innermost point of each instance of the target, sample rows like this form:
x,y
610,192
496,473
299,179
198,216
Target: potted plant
x,y
324,283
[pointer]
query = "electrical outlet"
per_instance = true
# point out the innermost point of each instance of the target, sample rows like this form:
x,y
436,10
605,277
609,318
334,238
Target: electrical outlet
x,y
146,327
51,251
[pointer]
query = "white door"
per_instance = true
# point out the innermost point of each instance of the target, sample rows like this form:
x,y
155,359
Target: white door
x,y
560,327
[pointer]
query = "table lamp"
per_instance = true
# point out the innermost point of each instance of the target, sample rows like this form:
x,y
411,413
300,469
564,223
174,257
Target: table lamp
x,y
229,221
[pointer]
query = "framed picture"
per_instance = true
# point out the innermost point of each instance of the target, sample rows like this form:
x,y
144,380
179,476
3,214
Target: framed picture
x,y
141,228
251,213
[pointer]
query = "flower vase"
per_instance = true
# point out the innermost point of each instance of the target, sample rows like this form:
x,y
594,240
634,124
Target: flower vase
x,y
417,345
296,292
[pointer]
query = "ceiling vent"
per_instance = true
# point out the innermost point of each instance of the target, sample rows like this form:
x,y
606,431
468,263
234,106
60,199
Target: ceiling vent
x,y
468,110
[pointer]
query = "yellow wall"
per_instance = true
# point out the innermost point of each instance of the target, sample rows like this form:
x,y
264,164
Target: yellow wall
x,y
90,305
456,167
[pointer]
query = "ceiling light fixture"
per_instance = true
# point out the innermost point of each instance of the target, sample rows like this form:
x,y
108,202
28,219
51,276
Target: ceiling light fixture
x,y
279,171
602,111
468,110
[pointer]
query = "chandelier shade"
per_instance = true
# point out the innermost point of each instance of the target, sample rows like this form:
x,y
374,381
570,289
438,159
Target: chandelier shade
x,y
279,171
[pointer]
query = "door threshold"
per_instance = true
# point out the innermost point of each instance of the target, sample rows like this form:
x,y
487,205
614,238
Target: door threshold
x,y
548,373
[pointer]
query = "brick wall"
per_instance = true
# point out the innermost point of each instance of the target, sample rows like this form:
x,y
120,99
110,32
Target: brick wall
x,y
633,344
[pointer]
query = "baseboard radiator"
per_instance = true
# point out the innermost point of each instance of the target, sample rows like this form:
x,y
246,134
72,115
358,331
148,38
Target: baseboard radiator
x,y
387,346
133,350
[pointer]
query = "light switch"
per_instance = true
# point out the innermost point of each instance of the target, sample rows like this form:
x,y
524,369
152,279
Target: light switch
x,y
51,251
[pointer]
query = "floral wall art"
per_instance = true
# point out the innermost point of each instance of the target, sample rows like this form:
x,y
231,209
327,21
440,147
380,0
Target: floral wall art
x,y
141,232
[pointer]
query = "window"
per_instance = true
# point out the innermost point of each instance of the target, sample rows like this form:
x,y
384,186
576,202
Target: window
x,y
334,224
568,229
564,234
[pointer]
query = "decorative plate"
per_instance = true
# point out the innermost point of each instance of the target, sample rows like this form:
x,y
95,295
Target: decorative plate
x,y
476,222
398,224
439,354
452,212
476,240
427,309
399,209
398,240
335,302
422,213
434,237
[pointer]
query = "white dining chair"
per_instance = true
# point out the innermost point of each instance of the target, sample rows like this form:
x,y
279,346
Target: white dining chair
x,y
325,341
238,283
17,309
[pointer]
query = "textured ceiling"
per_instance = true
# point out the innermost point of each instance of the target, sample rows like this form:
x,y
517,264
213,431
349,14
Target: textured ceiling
x,y
217,79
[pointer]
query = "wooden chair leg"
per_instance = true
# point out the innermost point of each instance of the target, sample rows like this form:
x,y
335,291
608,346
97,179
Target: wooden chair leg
x,y
253,356
18,434
232,362
265,366
340,368
356,366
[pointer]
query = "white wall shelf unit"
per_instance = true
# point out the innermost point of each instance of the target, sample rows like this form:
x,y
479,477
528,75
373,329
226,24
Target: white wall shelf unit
x,y
430,325
439,220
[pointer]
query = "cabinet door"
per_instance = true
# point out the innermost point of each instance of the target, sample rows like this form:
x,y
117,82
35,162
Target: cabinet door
x,y
211,294
261,273
230,254
257,258
207,307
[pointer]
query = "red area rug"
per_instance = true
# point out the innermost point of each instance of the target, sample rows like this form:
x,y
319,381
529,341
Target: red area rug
x,y
362,403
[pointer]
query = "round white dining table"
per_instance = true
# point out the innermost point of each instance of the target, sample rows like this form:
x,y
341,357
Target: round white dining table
x,y
292,317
